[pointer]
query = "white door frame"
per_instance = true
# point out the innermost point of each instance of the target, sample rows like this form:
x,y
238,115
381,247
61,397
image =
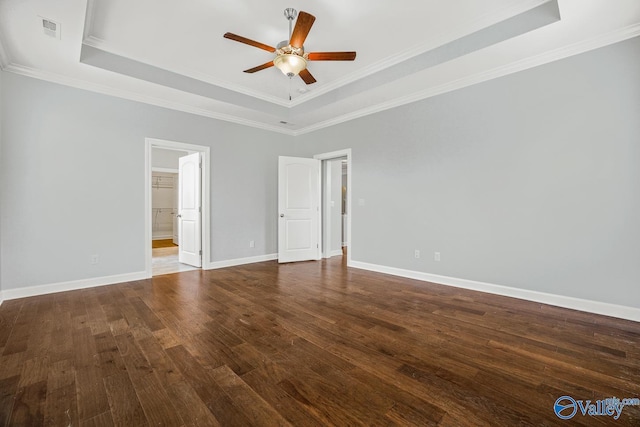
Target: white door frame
x,y
150,144
330,156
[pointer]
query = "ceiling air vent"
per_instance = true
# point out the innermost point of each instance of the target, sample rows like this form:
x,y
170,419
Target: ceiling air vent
x,y
50,28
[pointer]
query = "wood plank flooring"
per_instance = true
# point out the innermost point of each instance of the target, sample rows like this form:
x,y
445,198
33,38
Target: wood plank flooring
x,y
162,243
306,344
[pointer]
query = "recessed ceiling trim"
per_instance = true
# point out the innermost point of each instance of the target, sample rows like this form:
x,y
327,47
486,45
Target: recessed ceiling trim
x,y
99,44
543,13
88,19
533,19
129,67
90,40
557,54
485,21
4,54
408,89
524,64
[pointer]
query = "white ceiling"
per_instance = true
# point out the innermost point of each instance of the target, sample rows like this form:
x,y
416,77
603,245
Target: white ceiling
x,y
172,54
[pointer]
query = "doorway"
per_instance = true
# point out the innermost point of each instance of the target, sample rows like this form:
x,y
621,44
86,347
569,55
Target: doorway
x,y
164,211
334,201
336,204
164,163
304,225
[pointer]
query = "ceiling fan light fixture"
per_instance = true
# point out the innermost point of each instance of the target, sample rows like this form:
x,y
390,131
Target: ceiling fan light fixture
x,y
290,56
290,64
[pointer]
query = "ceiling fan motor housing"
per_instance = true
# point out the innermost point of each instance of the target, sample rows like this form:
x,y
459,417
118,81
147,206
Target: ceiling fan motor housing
x,y
284,47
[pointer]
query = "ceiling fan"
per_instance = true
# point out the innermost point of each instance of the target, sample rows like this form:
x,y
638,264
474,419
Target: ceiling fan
x,y
290,57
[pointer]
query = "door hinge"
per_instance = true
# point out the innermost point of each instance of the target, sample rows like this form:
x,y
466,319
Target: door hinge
x,y
200,209
200,252
317,245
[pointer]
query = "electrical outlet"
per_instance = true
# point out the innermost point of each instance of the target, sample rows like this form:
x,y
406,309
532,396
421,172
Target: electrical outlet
x,y
95,259
252,244
436,256
416,253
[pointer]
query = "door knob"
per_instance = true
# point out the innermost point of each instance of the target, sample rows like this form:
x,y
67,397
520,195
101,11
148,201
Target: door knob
x,y
179,216
281,215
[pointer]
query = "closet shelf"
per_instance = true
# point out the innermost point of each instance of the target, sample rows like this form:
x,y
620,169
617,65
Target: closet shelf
x,y
160,182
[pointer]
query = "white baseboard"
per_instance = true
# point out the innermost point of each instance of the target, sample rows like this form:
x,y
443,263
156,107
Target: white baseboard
x,y
30,291
337,252
239,261
607,309
613,310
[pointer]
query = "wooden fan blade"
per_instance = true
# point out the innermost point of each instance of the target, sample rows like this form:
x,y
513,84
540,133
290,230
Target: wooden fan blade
x,y
307,77
250,42
332,56
301,30
259,67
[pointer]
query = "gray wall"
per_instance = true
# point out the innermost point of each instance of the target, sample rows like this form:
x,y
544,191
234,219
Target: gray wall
x,y
72,182
529,181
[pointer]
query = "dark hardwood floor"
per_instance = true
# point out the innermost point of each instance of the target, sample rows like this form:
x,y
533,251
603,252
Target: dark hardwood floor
x,y
307,344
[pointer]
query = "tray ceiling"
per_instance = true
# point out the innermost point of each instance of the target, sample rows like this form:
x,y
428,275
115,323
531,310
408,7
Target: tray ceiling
x,y
172,54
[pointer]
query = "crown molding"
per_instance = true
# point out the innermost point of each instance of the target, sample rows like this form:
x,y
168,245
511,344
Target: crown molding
x,y
438,40
98,43
145,99
459,31
554,55
4,60
4,54
544,58
101,44
88,19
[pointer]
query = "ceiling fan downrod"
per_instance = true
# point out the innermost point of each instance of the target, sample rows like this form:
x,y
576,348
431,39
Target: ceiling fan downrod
x,y
291,14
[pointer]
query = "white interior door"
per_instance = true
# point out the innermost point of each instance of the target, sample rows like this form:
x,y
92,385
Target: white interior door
x,y
298,209
189,210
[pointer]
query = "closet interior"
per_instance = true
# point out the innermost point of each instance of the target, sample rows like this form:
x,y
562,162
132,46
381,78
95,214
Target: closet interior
x,y
164,187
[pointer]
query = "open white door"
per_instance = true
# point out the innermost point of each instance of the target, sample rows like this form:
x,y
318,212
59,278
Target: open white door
x,y
298,209
189,212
